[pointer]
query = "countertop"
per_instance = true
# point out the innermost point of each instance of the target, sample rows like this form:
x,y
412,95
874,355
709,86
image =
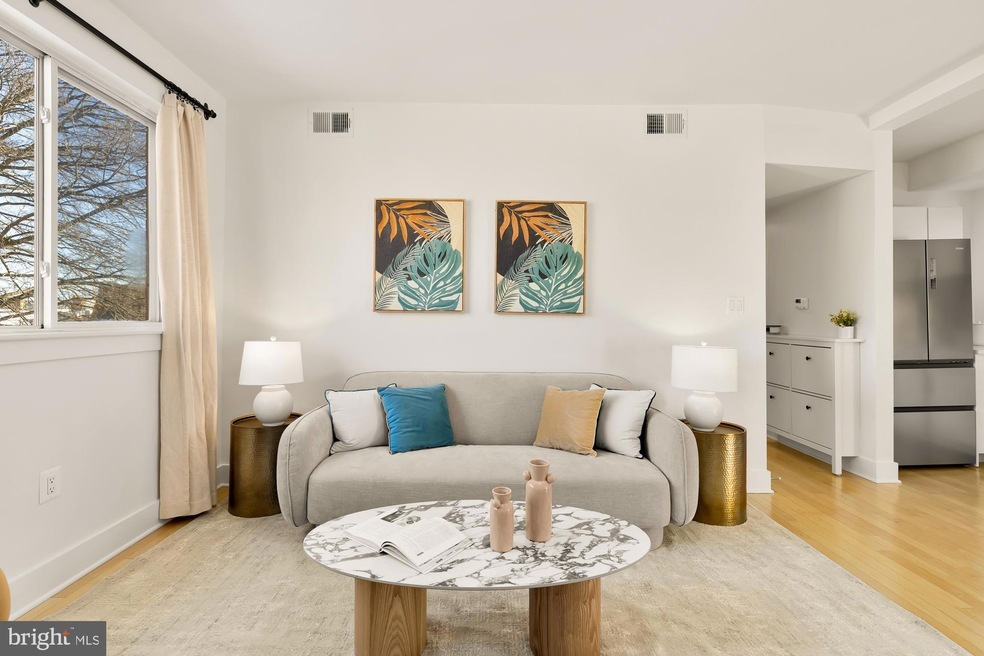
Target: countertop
x,y
811,338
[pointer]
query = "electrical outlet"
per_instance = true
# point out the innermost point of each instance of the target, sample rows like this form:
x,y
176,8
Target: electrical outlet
x,y
736,305
49,485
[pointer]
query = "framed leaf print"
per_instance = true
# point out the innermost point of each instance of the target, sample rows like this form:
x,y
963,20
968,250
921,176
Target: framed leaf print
x,y
540,256
420,263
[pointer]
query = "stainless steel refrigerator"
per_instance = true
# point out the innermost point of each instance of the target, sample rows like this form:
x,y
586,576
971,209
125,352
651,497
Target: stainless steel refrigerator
x,y
934,354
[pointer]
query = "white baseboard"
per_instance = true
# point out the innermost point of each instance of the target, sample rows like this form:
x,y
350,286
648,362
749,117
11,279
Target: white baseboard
x,y
759,481
802,448
222,475
879,471
44,580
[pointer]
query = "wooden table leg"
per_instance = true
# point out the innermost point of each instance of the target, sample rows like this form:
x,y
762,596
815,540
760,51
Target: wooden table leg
x,y
566,619
390,620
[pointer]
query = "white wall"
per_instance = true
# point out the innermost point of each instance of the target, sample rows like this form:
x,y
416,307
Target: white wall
x,y
674,227
88,404
819,246
974,228
813,138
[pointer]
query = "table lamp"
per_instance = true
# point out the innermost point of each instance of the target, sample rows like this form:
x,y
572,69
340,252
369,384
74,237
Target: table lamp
x,y
272,364
704,370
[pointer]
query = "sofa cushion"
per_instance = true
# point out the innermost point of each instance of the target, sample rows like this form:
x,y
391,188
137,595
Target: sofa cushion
x,y
357,419
417,418
569,420
623,413
631,489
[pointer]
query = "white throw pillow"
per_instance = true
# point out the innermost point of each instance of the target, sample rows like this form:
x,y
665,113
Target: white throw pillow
x,y
623,413
357,419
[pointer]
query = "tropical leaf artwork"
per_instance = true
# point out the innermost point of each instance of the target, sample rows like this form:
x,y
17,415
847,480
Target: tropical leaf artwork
x,y
419,247
540,257
433,279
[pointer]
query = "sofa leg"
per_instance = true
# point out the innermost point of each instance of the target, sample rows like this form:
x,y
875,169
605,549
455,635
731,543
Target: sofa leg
x,y
655,537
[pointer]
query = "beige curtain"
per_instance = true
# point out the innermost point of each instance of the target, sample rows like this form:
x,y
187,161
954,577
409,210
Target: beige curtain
x,y
188,351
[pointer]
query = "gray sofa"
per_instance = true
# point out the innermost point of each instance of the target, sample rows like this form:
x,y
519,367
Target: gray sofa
x,y
495,418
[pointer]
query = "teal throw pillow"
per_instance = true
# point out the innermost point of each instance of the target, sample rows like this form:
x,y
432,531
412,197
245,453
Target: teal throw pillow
x,y
417,417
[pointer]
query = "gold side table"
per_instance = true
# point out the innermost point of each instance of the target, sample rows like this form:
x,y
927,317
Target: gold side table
x,y
253,466
723,493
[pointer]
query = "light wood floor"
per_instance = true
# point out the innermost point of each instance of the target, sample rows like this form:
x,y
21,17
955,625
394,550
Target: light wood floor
x,y
921,543
73,592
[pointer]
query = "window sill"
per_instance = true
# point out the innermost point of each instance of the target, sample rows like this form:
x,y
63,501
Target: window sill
x,y
67,343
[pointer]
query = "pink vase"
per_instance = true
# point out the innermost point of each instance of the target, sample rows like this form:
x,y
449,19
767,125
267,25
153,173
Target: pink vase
x,y
539,500
502,516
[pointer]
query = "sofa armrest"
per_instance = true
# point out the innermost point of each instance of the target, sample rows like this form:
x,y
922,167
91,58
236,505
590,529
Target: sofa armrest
x,y
669,444
304,445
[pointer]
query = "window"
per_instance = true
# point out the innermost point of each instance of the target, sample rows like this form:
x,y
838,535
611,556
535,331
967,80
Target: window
x,y
89,259
18,186
102,210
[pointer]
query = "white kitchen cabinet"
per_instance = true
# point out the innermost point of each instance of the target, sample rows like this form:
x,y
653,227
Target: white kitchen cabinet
x,y
814,393
812,369
779,411
910,223
920,222
777,364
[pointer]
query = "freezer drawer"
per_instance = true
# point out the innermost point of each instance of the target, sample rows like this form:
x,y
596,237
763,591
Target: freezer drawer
x,y
778,408
813,419
813,369
921,388
935,438
777,364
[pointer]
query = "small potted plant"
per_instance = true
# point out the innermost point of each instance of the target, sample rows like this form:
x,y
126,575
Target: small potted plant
x,y
845,320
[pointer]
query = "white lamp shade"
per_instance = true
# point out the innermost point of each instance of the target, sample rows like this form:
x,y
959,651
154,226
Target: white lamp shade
x,y
705,368
271,363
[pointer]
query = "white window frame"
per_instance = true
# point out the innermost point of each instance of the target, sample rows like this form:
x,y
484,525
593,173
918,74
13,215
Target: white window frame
x,y
49,71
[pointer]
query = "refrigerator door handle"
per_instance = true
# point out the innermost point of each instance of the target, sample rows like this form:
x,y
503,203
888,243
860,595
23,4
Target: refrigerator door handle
x,y
932,273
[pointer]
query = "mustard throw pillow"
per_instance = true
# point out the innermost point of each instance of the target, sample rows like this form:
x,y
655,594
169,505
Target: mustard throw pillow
x,y
569,419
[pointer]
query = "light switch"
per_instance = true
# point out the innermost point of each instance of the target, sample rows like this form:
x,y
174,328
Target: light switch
x,y
736,305
802,303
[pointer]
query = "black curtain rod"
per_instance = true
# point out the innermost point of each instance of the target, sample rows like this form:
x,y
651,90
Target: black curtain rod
x,y
170,86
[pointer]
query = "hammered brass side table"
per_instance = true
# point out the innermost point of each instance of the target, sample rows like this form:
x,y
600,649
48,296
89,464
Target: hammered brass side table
x,y
723,492
253,466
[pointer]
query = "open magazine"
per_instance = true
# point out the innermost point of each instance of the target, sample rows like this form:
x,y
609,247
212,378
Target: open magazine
x,y
423,545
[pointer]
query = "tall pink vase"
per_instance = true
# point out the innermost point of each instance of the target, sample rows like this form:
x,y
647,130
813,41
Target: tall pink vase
x,y
502,520
539,500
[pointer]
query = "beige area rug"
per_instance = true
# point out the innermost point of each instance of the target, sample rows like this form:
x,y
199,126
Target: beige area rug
x,y
224,585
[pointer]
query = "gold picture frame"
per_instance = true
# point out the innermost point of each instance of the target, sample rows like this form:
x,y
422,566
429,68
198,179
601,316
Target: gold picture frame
x,y
419,255
540,257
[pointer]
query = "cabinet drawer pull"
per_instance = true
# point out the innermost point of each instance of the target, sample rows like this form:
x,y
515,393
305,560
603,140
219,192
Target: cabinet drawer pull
x,y
809,407
771,353
808,358
772,396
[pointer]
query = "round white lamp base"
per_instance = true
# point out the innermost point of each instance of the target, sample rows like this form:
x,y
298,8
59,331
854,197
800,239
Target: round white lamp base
x,y
273,405
703,410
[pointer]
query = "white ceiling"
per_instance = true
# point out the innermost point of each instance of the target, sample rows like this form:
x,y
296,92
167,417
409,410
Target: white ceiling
x,y
785,183
841,55
954,122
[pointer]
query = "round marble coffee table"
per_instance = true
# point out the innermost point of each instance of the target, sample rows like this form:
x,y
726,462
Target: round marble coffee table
x,y
563,575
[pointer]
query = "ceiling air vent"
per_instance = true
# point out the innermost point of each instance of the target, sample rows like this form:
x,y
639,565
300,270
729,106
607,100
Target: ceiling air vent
x,y
667,124
331,122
